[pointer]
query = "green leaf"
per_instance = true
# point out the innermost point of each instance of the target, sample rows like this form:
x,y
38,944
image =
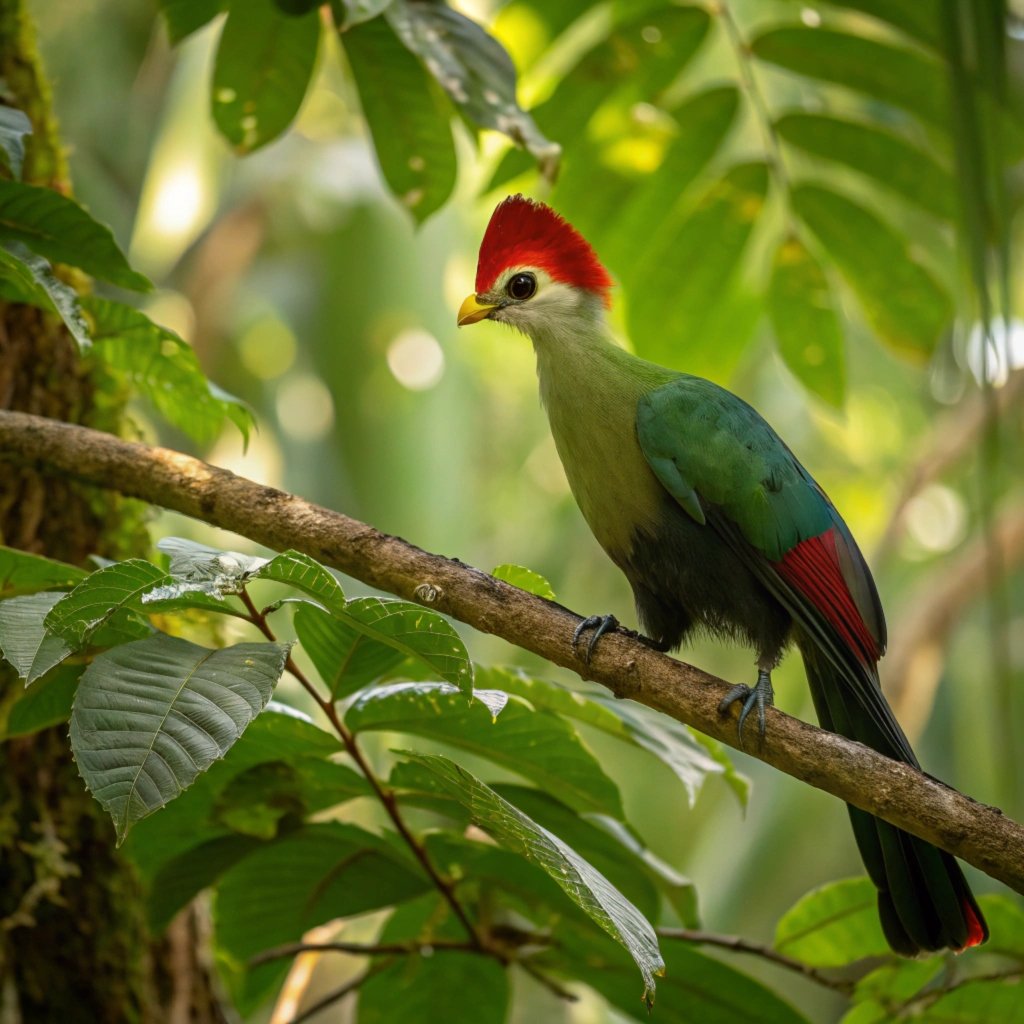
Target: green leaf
x,y
14,126
536,745
58,229
357,11
46,703
416,633
1006,924
99,596
690,756
346,659
261,73
695,988
474,69
164,369
833,925
899,77
525,579
904,304
899,981
979,1001
184,17
457,988
25,573
917,18
584,885
297,8
279,734
807,329
150,716
689,266
883,156
310,876
408,117
24,640
27,277
301,572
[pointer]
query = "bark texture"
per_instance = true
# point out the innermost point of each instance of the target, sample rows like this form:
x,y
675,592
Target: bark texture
x,y
978,834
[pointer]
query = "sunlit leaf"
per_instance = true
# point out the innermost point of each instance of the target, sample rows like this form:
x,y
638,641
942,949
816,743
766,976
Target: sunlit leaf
x,y
184,17
408,117
474,70
536,745
884,157
24,573
688,266
311,876
24,639
164,369
525,579
26,277
902,301
584,885
900,77
45,703
263,67
346,659
150,716
58,229
833,925
14,126
806,325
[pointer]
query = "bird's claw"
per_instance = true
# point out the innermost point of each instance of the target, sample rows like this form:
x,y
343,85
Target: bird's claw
x,y
761,696
600,624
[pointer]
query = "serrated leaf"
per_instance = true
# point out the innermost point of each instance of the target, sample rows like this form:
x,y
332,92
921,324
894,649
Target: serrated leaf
x,y
906,306
833,925
415,632
58,229
689,267
303,573
262,70
978,1001
584,885
164,369
183,17
99,596
46,703
407,115
345,659
14,126
806,325
25,573
883,156
903,78
150,716
24,639
533,744
26,277
525,579
475,70
308,877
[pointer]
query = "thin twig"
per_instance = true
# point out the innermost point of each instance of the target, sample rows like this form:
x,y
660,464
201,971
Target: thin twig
x,y
383,794
549,983
339,993
740,945
361,949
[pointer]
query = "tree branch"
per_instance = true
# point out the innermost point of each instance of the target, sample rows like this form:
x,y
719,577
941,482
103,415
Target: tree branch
x,y
899,794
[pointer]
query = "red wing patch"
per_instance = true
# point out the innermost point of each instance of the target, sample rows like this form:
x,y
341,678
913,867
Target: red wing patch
x,y
977,930
812,567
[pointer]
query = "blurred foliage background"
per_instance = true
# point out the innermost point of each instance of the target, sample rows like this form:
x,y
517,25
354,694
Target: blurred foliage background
x,y
780,206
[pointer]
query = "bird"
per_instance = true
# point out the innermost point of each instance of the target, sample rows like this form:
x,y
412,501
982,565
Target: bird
x,y
718,528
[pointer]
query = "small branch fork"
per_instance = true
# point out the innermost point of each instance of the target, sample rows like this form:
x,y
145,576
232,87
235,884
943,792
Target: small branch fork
x,y
479,942
897,793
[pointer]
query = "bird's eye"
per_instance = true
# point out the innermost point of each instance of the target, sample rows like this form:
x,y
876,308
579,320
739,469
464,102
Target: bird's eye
x,y
521,286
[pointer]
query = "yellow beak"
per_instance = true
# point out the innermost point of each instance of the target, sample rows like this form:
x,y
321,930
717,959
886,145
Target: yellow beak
x,y
471,311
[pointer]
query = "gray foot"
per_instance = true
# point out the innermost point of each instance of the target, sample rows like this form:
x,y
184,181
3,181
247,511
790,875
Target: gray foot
x,y
761,696
600,624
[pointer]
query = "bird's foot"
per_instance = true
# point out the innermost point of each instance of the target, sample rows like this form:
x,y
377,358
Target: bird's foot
x,y
759,696
600,624
661,646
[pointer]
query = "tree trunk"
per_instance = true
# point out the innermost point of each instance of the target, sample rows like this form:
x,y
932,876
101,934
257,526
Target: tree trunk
x,y
74,945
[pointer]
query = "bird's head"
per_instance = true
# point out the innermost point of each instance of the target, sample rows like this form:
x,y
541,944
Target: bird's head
x,y
536,272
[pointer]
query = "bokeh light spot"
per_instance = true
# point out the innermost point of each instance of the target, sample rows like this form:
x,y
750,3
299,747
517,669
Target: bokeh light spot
x,y
305,408
415,359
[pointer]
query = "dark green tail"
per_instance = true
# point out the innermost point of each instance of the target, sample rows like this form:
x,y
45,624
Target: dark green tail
x,y
923,898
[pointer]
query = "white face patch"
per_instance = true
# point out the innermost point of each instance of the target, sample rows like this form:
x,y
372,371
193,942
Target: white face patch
x,y
552,309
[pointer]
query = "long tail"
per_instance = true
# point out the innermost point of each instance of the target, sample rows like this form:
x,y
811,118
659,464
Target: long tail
x,y
923,898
